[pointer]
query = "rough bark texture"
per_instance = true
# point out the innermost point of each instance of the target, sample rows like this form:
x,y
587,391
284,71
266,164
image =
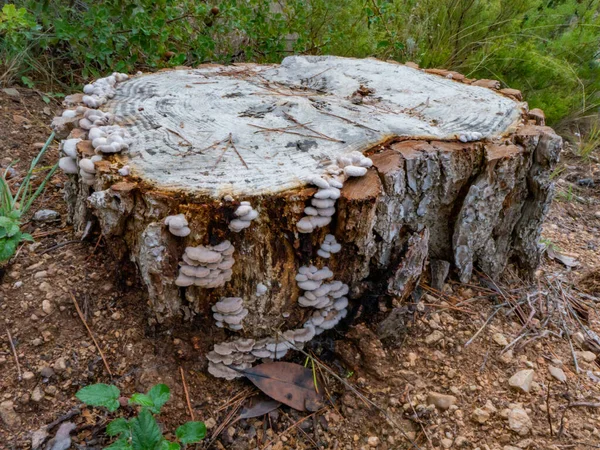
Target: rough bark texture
x,y
474,204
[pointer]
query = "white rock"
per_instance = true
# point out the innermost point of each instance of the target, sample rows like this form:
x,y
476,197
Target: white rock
x,y
519,421
521,381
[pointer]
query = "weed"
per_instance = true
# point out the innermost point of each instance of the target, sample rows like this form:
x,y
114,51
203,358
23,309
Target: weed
x,y
142,431
590,141
14,207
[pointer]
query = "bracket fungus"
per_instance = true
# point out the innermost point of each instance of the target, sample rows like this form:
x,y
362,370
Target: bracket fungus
x,y
229,313
244,217
178,225
206,266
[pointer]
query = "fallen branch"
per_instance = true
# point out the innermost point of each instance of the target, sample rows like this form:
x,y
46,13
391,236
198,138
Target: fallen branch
x,y
187,394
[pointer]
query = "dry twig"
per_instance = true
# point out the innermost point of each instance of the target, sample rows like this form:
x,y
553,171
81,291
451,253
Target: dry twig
x,y
187,394
14,350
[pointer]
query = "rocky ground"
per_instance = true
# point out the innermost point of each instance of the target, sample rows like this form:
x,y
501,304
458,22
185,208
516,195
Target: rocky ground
x,y
444,381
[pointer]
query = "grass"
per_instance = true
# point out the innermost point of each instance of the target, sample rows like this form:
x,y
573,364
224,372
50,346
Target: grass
x,y
13,207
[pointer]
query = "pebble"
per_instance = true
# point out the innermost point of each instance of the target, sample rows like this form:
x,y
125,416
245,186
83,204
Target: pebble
x,y
500,339
373,441
521,381
519,421
37,395
41,274
557,373
8,414
47,307
27,376
480,415
586,356
440,401
46,372
434,337
210,423
46,215
60,365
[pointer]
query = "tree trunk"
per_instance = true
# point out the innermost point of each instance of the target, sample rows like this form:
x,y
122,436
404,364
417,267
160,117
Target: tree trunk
x,y
240,184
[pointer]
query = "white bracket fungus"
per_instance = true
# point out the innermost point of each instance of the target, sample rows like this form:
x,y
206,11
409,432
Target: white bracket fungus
x,y
178,225
98,92
229,313
322,208
245,215
206,266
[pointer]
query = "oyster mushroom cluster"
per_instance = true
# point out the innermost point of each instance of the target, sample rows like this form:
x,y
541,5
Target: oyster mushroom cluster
x,y
206,266
329,247
98,92
244,217
109,139
178,225
229,313
470,136
322,208
91,117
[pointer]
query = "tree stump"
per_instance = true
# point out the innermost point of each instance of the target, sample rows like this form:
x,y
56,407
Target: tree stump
x,y
272,196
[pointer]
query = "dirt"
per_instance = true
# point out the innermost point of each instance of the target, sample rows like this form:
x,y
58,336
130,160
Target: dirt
x,y
396,379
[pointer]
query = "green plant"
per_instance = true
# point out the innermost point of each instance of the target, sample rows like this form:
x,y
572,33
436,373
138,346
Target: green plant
x,y
14,207
590,141
140,432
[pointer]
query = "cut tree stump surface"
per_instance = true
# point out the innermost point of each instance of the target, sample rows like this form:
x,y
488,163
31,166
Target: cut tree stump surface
x,y
281,197
252,130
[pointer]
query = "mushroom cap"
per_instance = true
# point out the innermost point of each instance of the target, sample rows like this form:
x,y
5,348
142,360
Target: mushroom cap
x,y
224,348
189,261
237,225
229,305
355,171
365,162
301,277
87,165
304,334
235,319
228,252
333,193
202,254
253,214
69,147
311,211
184,281
243,210
221,247
181,232
261,289
320,221
322,202
262,353
194,271
329,238
220,370
309,285
326,212
177,221
322,274
336,183
318,181
340,292
307,303
335,247
68,165
227,263
304,225
341,303
244,345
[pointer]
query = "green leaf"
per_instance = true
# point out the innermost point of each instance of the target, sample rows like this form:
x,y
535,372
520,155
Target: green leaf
x,y
27,237
167,445
8,247
159,394
100,395
191,432
27,81
141,399
46,99
121,444
145,434
119,426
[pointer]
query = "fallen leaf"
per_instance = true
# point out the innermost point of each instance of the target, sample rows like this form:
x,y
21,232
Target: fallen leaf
x,y
568,261
261,407
288,383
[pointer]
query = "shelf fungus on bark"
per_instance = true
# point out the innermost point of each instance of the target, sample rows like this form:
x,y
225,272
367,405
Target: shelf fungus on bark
x,y
206,266
178,225
391,164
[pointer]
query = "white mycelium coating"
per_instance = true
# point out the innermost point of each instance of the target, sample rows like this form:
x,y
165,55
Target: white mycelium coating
x,y
329,246
229,313
206,266
178,225
244,216
322,208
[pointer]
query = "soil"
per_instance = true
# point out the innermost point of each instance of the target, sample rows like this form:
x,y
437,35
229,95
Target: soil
x,y
397,379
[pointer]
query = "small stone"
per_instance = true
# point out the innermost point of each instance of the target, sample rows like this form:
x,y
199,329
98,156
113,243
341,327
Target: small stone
x,y
510,447
41,274
451,373
47,307
37,342
521,381
373,441
27,376
46,372
500,339
557,373
12,93
51,390
60,365
116,316
586,356
8,414
46,215
440,401
519,421
37,395
506,357
461,441
210,423
480,415
434,337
